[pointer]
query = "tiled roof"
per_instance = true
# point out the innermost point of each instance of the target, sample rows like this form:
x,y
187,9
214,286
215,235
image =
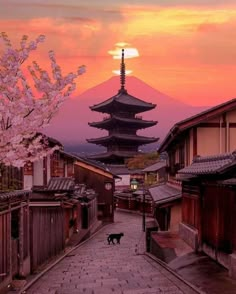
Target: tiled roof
x,y
110,154
95,163
124,98
122,169
133,122
140,195
164,193
155,167
126,137
61,184
13,194
210,164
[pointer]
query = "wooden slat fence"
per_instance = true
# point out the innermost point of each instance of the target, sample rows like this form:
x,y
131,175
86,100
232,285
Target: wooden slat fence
x,y
4,246
191,205
47,234
218,218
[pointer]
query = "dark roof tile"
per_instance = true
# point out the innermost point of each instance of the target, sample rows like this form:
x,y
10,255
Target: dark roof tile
x,y
164,193
61,184
156,166
124,98
209,164
13,194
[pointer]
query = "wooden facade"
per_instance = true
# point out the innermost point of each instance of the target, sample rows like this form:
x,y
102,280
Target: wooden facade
x,y
166,200
53,214
211,211
191,204
47,222
14,236
155,173
211,132
209,207
130,201
102,182
52,207
207,133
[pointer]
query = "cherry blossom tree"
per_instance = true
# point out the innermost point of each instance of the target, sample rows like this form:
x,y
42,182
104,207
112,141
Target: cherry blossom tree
x,y
28,104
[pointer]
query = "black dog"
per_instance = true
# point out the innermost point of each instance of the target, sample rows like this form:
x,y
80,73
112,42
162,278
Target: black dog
x,y
112,237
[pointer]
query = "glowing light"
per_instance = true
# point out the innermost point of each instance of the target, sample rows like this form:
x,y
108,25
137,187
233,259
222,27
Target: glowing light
x,y
122,44
117,71
129,53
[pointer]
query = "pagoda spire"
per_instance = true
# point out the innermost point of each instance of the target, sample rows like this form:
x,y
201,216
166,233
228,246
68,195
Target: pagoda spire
x,y
122,72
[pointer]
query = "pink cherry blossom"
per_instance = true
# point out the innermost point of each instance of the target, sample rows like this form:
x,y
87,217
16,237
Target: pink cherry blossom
x,y
26,110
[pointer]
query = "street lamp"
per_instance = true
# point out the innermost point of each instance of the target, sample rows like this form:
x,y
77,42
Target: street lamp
x,y
144,216
142,193
134,185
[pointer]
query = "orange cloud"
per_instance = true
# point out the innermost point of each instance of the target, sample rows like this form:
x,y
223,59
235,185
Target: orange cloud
x,y
185,52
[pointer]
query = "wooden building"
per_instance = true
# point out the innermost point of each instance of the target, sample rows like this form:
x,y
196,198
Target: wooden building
x,y
58,164
14,237
97,177
167,206
156,173
53,214
209,207
209,132
138,201
122,124
125,176
54,207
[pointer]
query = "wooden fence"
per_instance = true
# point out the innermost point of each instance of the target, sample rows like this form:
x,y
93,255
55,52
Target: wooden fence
x,y
5,245
47,234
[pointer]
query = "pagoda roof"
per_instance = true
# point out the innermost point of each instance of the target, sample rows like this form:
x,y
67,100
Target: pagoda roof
x,y
135,123
113,154
123,100
127,138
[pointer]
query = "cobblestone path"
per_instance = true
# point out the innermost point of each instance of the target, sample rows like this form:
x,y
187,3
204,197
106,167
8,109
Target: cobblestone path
x,y
99,268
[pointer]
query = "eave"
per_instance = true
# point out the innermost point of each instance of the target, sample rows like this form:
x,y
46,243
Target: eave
x,y
195,120
123,138
123,100
113,154
134,123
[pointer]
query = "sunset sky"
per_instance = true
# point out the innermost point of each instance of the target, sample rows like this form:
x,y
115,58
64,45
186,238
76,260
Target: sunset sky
x,y
187,48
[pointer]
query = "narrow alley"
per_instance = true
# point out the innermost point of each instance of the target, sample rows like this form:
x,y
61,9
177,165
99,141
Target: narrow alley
x,y
97,267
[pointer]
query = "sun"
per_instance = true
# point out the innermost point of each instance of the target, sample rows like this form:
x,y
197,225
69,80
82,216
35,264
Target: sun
x,y
129,52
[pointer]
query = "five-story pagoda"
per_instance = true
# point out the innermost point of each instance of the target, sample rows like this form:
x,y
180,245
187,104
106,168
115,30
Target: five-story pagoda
x,y
122,124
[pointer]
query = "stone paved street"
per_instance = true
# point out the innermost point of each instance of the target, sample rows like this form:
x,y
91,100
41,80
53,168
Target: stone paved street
x,y
96,267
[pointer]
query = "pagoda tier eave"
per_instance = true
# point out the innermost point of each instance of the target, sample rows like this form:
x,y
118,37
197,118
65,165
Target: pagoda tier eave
x,y
124,107
127,139
123,100
134,123
112,154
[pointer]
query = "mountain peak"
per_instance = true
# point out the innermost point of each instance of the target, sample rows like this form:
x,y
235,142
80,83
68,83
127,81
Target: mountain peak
x,y
70,126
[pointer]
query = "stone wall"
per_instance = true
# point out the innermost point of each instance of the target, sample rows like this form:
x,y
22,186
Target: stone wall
x,y
189,235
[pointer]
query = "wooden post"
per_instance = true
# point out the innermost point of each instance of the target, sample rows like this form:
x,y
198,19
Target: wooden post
x,y
9,241
144,225
21,238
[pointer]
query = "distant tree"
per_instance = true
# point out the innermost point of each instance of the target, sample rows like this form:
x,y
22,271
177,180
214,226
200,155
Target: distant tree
x,y
28,105
142,160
